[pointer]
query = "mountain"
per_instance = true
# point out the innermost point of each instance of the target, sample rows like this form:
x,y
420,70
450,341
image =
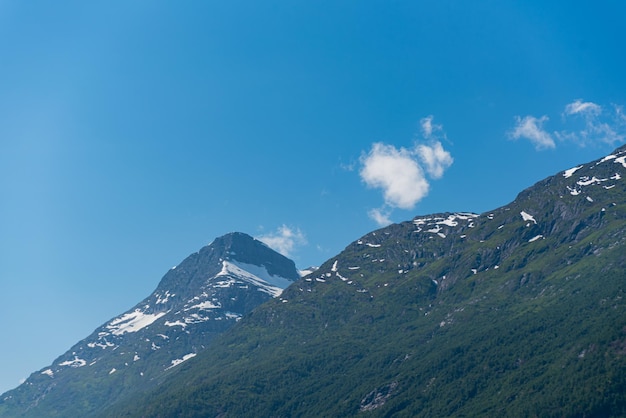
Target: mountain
x,y
200,298
519,311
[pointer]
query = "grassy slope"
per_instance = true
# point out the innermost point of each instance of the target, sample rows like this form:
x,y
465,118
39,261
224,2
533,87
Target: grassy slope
x,y
547,338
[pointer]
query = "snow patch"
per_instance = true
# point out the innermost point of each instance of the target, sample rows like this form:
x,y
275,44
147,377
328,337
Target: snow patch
x,y
307,271
196,319
586,181
101,345
256,275
77,362
132,322
434,230
206,305
451,221
176,323
165,298
527,217
573,191
178,361
571,171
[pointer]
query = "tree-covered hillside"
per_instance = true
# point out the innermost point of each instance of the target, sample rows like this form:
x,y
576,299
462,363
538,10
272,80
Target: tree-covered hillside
x,y
515,312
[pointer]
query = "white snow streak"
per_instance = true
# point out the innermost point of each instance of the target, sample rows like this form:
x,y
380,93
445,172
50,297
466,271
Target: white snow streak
x,y
77,362
132,322
204,305
173,324
527,217
256,275
177,361
571,171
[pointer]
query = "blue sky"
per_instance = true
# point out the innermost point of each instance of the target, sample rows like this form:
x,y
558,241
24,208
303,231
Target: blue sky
x,y
133,133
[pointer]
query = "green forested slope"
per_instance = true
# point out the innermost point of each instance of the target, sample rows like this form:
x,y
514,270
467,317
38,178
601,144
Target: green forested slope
x,y
516,312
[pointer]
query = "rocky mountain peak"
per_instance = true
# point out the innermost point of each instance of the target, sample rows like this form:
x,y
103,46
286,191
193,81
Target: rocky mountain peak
x,y
192,272
203,296
246,249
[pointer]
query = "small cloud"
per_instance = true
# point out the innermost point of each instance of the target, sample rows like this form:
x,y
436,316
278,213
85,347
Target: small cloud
x,y
403,174
347,166
397,173
580,107
436,159
428,128
584,123
599,124
284,240
619,114
380,216
531,128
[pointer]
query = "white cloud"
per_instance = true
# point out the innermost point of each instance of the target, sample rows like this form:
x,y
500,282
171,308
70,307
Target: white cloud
x,y
619,114
380,216
584,123
600,125
435,158
403,174
580,107
428,128
531,128
397,173
284,240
